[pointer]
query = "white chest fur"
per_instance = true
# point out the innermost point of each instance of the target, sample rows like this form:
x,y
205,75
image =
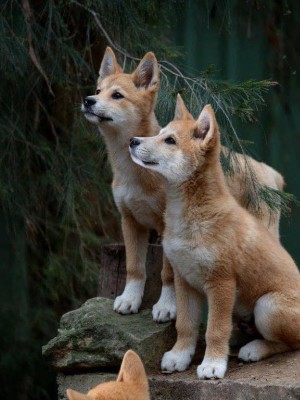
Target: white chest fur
x,y
146,209
193,261
186,245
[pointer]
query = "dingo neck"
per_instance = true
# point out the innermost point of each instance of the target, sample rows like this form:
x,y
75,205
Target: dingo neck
x,y
205,191
117,142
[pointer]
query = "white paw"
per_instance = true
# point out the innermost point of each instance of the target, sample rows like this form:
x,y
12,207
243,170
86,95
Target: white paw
x,y
176,360
130,300
253,351
212,369
165,309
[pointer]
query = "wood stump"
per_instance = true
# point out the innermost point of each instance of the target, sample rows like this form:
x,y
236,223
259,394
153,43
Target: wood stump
x,y
112,276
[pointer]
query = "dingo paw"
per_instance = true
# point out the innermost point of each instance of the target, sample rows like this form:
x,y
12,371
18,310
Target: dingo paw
x,y
176,360
165,309
130,300
212,369
253,351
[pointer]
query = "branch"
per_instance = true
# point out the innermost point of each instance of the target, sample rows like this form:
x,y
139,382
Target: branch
x,y
32,54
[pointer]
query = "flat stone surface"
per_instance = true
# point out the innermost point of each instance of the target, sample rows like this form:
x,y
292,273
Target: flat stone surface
x,y
94,336
276,378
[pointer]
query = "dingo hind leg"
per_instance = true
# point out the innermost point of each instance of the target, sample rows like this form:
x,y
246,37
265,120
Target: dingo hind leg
x,y
278,321
136,244
261,348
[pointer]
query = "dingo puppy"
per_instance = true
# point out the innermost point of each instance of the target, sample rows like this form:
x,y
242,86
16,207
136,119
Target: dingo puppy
x,y
131,384
123,107
218,250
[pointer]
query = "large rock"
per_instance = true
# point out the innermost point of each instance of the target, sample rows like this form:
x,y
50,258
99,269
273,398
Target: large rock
x,y
94,336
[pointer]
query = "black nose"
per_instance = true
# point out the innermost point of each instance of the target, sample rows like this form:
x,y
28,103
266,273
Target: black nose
x,y
89,101
134,142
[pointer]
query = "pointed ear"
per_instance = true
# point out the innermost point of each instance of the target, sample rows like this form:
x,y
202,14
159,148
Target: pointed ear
x,y
206,127
132,369
181,112
109,65
146,74
73,395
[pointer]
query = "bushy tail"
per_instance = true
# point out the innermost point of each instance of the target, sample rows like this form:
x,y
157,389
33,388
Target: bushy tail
x,y
280,183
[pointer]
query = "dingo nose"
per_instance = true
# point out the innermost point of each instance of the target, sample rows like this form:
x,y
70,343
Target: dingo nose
x,y
89,101
134,142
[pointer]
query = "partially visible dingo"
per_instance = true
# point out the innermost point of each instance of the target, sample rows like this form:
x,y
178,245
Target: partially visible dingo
x,y
218,250
131,384
123,107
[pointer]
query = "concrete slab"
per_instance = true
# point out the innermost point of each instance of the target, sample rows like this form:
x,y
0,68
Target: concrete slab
x,y
276,378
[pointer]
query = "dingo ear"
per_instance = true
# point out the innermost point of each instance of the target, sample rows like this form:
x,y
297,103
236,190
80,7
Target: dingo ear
x,y
73,395
181,112
109,65
206,127
132,369
146,74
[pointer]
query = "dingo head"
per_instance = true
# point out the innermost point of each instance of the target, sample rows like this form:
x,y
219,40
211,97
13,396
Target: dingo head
x,y
131,384
181,147
123,101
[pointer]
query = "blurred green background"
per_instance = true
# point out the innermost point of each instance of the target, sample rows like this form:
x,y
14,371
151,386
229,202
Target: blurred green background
x,y
56,204
256,40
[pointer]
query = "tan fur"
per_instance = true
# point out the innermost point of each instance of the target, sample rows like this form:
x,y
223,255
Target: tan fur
x,y
219,250
139,193
131,384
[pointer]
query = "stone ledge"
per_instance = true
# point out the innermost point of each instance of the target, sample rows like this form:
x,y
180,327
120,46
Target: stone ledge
x,y
276,378
94,336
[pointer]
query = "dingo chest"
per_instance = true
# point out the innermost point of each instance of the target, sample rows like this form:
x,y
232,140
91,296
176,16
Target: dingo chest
x,y
194,262
147,210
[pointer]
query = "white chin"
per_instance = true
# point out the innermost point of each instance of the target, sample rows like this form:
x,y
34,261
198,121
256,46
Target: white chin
x,y
91,118
139,162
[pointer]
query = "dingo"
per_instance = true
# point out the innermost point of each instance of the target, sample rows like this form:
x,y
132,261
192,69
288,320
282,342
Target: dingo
x,y
131,384
123,107
218,250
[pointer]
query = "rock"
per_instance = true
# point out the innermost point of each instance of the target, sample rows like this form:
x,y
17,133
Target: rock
x,y
94,336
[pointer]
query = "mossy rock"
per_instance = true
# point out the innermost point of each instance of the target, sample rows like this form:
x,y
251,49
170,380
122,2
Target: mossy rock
x,y
95,337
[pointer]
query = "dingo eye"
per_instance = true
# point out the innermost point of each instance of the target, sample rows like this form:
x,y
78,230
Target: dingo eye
x,y
98,91
117,96
170,140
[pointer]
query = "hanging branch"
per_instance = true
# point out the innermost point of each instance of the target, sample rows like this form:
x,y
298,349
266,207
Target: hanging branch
x,y
32,54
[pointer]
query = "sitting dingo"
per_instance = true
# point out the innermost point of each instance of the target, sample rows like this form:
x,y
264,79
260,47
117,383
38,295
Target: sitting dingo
x,y
131,384
218,250
122,107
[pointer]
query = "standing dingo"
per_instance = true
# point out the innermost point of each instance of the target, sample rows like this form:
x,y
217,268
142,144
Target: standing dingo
x,y
218,250
122,107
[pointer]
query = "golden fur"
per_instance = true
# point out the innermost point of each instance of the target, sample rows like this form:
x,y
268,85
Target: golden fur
x,y
218,250
131,384
139,193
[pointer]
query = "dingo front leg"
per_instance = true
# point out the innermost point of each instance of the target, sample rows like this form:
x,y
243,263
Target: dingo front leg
x,y
136,243
221,297
165,309
189,303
